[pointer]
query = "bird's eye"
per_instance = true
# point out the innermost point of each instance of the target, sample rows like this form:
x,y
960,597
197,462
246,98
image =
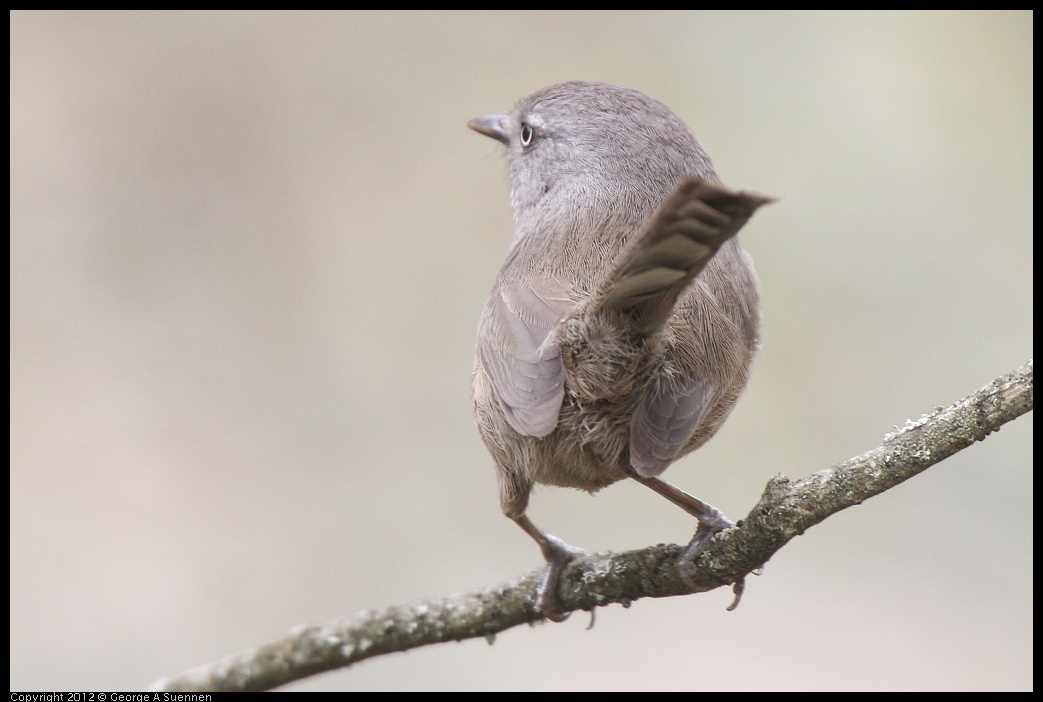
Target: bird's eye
x,y
526,134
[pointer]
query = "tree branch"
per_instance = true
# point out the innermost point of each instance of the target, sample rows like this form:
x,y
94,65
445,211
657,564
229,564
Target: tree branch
x,y
786,509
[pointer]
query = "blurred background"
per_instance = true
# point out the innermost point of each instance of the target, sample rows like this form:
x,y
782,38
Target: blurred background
x,y
248,255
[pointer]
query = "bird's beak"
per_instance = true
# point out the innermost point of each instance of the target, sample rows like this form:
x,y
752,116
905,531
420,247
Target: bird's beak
x,y
494,126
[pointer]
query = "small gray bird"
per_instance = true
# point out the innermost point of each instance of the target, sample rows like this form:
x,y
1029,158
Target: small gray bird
x,y
620,330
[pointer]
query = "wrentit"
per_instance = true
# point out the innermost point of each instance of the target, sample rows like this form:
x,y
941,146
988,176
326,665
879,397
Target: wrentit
x,y
620,330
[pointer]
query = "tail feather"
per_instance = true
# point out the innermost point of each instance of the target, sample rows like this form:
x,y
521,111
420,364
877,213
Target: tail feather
x,y
679,240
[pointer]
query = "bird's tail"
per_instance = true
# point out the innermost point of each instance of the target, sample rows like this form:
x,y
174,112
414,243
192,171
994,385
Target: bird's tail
x,y
682,236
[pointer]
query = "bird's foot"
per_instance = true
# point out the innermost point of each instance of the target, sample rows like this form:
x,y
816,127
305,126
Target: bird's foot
x,y
558,555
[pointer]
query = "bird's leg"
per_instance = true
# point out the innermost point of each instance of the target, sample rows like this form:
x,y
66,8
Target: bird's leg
x,y
558,554
711,519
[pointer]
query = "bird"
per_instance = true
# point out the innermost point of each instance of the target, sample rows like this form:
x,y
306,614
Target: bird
x,y
620,329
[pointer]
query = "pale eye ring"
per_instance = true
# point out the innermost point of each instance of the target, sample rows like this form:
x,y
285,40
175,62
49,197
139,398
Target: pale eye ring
x,y
526,134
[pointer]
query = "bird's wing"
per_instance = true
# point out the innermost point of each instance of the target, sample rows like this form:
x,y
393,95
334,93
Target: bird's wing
x,y
520,354
664,421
